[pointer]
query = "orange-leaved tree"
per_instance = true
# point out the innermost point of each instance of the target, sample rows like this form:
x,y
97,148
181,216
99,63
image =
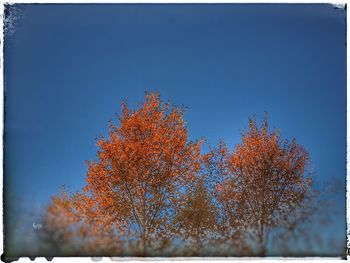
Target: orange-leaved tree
x,y
261,185
142,172
73,226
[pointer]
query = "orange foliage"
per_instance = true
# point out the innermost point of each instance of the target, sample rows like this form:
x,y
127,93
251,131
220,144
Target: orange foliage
x,y
261,182
150,183
140,173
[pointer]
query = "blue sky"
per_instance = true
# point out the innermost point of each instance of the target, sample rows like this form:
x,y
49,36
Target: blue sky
x,y
67,68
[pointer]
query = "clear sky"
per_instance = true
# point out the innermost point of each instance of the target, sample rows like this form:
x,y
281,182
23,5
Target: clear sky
x,y
67,68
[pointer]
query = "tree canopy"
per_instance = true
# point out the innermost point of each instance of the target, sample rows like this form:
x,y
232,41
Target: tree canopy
x,y
152,191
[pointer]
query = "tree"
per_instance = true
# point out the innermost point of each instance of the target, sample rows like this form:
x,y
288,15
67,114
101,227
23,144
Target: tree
x,y
264,183
196,220
73,226
143,169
